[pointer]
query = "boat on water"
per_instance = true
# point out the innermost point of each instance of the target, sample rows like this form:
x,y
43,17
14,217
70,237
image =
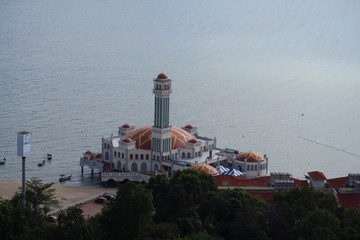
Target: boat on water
x,y
64,177
42,163
49,156
3,161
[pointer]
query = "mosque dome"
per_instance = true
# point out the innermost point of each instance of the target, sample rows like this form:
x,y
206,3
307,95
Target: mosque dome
x,y
190,126
162,76
127,140
193,140
205,169
250,157
126,125
143,137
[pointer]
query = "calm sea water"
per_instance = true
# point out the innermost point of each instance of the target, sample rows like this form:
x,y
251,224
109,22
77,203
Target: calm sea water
x,y
274,77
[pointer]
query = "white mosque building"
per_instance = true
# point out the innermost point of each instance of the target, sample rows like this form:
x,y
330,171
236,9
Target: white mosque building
x,y
136,153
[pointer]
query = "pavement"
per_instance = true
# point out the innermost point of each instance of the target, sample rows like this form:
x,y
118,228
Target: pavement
x,y
65,194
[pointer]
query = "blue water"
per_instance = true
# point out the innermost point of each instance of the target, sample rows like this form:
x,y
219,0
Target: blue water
x,y
260,76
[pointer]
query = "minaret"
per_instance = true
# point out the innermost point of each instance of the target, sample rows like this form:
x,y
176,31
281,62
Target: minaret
x,y
161,130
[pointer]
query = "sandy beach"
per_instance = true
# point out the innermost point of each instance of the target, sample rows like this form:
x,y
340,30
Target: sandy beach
x,y
65,194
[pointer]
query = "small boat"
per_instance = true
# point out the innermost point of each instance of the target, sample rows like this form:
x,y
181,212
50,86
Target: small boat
x,y
3,161
64,177
40,164
49,156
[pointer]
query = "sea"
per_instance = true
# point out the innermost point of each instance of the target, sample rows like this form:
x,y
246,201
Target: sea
x,y
278,77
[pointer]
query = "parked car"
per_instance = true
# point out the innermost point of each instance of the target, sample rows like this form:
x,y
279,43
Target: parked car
x,y
100,200
109,196
51,218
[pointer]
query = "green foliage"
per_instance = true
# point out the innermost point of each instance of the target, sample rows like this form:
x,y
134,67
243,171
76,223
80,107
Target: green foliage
x,y
130,215
166,231
180,195
287,207
317,224
72,225
350,224
234,214
38,193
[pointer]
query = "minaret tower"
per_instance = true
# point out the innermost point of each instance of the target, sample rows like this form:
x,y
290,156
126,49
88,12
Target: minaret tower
x,y
161,130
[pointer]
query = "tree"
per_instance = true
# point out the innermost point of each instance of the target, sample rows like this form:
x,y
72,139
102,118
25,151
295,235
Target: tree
x,y
38,193
234,214
130,215
72,225
317,224
287,207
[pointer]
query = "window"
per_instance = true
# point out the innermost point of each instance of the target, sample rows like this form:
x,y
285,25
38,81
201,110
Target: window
x,y
118,154
136,156
107,156
188,155
248,168
157,158
142,156
252,167
156,167
131,156
196,154
143,167
134,167
147,157
255,167
114,153
118,166
122,155
183,155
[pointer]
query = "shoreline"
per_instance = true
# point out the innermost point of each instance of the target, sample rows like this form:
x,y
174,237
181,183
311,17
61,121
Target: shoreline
x,y
65,194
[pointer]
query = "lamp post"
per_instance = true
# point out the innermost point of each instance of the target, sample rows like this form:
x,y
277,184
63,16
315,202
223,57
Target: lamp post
x,y
23,150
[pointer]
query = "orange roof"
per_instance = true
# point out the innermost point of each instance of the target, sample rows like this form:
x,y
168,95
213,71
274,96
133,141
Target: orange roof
x,y
337,182
126,125
263,195
143,137
189,126
349,200
162,76
316,175
89,152
249,157
205,169
220,180
193,140
128,140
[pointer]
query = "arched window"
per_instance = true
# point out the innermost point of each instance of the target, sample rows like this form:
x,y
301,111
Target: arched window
x,y
156,167
157,158
131,156
255,168
147,157
136,156
134,167
106,156
183,155
142,156
122,155
114,153
143,167
118,166
118,154
248,168
252,167
189,155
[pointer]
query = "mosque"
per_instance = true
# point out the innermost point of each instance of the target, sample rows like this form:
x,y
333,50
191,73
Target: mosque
x,y
137,153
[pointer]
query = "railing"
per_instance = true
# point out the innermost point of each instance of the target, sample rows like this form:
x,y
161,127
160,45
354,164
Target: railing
x,y
91,163
120,176
56,211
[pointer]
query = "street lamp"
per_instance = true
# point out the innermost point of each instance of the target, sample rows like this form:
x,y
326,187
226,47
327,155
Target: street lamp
x,y
23,150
